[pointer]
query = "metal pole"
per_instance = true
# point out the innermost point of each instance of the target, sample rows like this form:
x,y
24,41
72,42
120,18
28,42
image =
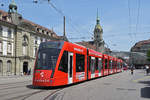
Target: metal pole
x,y
64,27
15,48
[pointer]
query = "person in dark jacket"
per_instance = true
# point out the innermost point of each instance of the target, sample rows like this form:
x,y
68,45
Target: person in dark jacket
x,y
132,70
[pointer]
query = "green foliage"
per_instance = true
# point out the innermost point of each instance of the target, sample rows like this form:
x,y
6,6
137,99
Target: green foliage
x,y
148,55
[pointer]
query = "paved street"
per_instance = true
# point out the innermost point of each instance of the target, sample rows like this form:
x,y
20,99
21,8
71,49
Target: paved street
x,y
20,88
121,86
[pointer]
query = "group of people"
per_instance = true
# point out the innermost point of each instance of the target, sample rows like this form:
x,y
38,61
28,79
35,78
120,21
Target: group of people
x,y
147,68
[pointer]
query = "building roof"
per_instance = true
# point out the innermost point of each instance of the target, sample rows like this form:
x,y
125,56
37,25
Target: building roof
x,y
87,44
4,16
140,44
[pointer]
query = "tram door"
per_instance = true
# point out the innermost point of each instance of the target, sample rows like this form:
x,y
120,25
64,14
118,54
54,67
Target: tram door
x,y
92,67
70,67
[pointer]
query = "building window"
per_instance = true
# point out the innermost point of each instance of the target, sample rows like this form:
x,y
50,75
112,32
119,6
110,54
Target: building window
x,y
42,31
1,49
9,66
9,33
38,29
4,18
35,51
9,48
25,39
1,31
24,50
47,33
1,66
80,63
41,39
36,40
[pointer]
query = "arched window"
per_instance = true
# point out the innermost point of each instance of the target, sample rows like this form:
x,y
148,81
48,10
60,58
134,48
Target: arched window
x,y
9,65
1,66
9,33
1,30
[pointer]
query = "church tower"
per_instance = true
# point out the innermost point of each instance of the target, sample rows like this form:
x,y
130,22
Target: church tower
x,y
98,35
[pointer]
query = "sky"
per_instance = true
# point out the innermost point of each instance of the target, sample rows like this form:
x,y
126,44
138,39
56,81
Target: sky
x,y
124,22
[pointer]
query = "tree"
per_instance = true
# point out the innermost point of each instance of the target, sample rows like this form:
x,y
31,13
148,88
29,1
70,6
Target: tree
x,y
148,55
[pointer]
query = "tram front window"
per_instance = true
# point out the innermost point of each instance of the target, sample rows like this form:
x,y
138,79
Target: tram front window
x,y
47,58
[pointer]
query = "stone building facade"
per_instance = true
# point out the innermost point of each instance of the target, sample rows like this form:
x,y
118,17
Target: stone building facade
x,y
19,42
138,55
141,46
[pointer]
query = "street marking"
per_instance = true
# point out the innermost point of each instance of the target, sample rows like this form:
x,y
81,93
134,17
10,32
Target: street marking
x,y
141,79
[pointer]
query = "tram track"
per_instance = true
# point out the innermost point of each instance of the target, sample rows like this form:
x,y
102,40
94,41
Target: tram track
x,y
52,94
25,96
29,96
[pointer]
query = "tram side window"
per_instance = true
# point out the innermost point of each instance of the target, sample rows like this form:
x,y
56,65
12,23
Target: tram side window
x,y
96,64
92,65
118,65
106,61
111,64
63,66
80,63
100,64
89,63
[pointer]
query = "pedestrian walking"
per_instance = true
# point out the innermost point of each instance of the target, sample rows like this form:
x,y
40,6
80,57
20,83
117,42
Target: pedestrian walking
x,y
132,70
29,71
147,69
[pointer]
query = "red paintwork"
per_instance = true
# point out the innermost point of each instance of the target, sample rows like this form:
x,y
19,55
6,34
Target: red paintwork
x,y
42,78
95,54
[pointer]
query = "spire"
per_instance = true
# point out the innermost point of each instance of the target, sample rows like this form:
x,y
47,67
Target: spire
x,y
12,7
97,19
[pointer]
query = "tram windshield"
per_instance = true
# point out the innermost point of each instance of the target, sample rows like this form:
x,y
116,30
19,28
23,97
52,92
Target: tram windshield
x,y
47,55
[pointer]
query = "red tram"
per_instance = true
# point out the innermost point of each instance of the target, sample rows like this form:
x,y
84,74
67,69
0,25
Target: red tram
x,y
61,63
